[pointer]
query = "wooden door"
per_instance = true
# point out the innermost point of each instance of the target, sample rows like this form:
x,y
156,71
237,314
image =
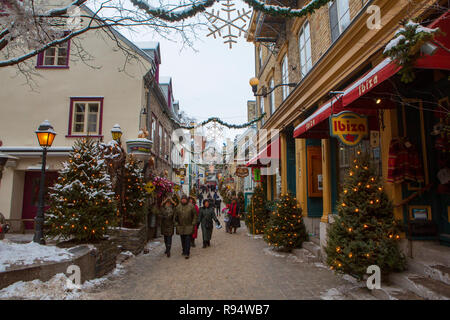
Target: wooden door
x,y
314,160
31,194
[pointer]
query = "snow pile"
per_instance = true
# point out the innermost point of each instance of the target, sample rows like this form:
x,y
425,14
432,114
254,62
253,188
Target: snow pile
x,y
332,294
25,254
394,43
54,289
60,287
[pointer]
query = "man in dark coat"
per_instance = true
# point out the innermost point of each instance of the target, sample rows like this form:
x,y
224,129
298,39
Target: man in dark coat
x,y
185,218
167,222
206,218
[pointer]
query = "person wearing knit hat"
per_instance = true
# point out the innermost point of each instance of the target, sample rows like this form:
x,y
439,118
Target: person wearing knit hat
x,y
167,222
193,201
185,219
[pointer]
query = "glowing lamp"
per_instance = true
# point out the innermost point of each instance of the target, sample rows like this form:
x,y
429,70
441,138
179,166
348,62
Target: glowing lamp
x,y
45,134
116,132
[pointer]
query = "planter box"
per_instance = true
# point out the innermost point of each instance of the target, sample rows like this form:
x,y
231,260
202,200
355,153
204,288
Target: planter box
x,y
133,240
140,148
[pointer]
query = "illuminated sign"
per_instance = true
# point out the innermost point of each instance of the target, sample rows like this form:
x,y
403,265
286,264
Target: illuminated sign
x,y
349,127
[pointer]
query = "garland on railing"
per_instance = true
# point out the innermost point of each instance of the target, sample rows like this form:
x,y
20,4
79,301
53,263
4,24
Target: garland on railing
x,y
173,15
286,12
404,49
219,121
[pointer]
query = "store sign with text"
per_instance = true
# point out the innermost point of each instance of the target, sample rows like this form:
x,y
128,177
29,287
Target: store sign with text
x,y
241,172
349,127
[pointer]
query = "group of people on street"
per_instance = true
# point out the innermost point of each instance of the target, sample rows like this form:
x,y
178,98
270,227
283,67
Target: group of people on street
x,y
186,219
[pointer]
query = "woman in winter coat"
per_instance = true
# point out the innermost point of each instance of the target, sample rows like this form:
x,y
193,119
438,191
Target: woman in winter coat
x,y
193,201
167,222
206,218
233,211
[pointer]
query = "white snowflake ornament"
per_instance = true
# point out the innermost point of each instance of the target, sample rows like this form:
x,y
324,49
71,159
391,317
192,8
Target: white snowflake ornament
x,y
228,23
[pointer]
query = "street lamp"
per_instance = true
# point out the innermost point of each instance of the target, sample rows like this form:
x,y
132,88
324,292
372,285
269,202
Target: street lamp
x,y
116,132
254,82
45,135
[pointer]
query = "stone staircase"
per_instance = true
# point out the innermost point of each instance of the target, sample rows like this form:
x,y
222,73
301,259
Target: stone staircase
x,y
427,277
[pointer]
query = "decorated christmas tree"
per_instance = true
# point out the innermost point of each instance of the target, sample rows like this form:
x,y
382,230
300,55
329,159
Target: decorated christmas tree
x,y
82,203
286,229
135,196
241,201
258,216
364,232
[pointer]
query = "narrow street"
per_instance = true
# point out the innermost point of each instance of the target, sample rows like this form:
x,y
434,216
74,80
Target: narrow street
x,y
236,266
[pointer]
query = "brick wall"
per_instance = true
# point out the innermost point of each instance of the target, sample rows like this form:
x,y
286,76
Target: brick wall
x,y
320,43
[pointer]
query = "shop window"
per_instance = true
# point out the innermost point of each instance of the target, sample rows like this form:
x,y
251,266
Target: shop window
x,y
347,154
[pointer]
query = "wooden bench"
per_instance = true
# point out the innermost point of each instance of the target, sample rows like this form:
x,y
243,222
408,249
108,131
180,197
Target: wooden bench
x,y
22,221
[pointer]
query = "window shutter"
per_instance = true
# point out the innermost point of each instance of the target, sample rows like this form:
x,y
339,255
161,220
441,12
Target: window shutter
x,y
334,21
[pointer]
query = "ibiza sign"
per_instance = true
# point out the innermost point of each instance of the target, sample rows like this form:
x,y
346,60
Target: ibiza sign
x,y
349,127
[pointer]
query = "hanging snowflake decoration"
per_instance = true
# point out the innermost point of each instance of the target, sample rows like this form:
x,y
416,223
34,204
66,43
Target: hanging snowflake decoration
x,y
214,131
226,25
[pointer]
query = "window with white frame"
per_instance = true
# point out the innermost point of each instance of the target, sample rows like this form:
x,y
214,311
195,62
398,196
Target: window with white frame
x,y
272,96
260,57
261,105
57,55
86,117
339,12
285,76
304,42
153,128
160,138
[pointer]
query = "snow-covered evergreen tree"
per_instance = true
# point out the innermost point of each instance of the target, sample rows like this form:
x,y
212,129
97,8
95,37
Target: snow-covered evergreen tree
x,y
134,194
82,205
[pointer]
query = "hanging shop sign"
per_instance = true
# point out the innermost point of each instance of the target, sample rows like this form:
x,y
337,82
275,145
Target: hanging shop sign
x,y
349,127
182,172
242,172
256,173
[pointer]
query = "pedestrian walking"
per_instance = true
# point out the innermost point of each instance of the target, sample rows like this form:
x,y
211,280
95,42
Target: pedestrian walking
x,y
167,222
193,201
206,218
235,221
217,204
200,199
185,219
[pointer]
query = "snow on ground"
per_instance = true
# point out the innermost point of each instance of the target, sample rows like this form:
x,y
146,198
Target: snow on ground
x,y
59,287
24,254
332,294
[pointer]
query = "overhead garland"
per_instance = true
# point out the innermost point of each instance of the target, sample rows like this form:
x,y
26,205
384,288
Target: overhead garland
x,y
286,12
219,121
173,15
404,49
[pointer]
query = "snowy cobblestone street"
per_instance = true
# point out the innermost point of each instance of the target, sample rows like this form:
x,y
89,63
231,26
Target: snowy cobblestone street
x,y
234,267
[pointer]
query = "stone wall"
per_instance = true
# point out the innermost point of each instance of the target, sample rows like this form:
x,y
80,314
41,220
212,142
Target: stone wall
x,y
132,240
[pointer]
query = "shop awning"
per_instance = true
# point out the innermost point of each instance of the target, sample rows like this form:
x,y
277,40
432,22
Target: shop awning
x,y
362,94
264,157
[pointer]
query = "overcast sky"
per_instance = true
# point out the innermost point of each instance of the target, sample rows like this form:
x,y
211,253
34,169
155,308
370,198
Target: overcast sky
x,y
213,80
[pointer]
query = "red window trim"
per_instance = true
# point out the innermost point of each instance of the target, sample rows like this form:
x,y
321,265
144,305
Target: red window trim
x,y
100,118
40,60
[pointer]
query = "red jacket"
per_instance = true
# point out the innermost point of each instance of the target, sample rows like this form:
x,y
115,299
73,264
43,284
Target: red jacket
x,y
233,209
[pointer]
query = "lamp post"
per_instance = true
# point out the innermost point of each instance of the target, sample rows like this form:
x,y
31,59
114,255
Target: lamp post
x,y
116,133
45,135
